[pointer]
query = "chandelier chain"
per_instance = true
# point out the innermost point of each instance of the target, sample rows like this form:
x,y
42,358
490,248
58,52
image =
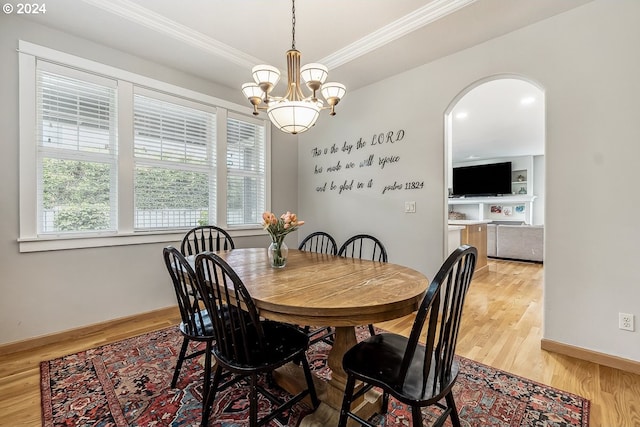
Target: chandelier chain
x,y
293,24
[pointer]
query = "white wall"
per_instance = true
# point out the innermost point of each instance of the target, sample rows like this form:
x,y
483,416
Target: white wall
x,y
588,62
412,239
47,292
539,186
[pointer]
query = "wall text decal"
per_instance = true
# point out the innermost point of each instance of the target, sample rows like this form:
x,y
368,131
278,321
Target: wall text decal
x,y
339,159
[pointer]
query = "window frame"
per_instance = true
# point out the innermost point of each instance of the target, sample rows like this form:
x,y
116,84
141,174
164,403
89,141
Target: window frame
x,y
29,240
66,154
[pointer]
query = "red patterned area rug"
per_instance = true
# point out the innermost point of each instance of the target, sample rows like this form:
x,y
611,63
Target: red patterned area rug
x,y
127,383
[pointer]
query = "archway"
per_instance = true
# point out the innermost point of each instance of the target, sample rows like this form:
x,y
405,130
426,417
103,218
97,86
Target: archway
x,y
498,119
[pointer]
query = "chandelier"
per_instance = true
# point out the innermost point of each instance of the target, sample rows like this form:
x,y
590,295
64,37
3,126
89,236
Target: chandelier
x,y
294,112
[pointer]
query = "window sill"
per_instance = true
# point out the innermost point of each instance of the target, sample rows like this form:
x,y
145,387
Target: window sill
x,y
55,243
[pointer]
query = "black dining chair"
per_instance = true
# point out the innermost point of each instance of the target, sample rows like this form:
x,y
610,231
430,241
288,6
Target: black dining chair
x,y
206,238
319,242
196,323
364,246
245,344
416,374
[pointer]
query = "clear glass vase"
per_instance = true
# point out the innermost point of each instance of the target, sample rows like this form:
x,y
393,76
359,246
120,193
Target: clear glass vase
x,y
277,253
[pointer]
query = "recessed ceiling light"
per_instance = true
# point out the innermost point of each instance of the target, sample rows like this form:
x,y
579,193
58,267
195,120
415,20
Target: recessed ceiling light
x,y
527,100
462,115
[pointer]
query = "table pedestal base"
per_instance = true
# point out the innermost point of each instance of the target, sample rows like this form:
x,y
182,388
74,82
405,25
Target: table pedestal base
x,y
330,393
325,415
291,378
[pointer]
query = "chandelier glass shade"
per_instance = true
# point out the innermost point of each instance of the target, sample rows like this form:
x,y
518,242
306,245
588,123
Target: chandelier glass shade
x,y
294,112
293,116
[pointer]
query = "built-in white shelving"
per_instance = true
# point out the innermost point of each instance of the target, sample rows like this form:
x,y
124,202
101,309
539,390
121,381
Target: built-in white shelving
x,y
518,208
519,185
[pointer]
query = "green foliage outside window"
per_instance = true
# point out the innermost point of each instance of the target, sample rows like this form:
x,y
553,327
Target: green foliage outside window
x,y
157,188
78,192
82,217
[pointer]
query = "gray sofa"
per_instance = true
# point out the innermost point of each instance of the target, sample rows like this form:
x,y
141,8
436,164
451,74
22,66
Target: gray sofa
x,y
520,242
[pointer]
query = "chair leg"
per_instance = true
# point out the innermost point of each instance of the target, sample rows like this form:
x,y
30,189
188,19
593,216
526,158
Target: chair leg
x,y
416,415
309,378
385,402
271,382
455,418
208,399
253,401
372,331
329,338
346,400
207,370
183,351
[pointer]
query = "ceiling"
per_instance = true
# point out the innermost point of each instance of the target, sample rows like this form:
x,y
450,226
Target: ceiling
x,y
498,118
360,41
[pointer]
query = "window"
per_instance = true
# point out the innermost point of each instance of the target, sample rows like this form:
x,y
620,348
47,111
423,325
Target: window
x,y
121,158
245,172
175,170
76,157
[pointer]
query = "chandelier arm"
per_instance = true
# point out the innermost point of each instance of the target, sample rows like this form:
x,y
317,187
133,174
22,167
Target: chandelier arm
x,y
303,96
294,92
276,98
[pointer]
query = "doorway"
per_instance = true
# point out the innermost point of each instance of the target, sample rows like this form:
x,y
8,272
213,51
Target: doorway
x,y
495,120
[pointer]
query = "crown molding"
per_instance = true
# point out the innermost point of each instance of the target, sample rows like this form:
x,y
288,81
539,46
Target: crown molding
x,y
413,21
140,15
425,15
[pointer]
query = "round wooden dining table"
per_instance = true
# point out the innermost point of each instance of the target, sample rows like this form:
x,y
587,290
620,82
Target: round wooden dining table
x,y
326,290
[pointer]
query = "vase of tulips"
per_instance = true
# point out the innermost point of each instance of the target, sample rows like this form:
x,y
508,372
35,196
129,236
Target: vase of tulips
x,y
278,228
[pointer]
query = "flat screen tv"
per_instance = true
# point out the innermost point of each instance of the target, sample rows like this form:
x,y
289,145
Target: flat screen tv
x,y
492,179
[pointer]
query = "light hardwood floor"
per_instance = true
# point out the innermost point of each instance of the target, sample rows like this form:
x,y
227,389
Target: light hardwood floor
x,y
501,328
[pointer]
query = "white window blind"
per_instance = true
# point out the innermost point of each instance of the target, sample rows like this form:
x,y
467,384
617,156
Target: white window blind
x,y
174,152
246,176
106,156
77,152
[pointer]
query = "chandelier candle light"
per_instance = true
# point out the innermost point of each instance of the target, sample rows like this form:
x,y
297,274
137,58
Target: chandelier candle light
x,y
294,112
278,228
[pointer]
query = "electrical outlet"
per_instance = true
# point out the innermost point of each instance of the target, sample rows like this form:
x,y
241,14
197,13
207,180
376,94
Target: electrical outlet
x,y
410,207
626,322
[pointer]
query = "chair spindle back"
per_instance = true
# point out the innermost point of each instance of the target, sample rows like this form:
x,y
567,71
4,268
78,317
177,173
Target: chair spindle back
x,y
239,334
442,307
320,242
364,246
206,238
184,283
